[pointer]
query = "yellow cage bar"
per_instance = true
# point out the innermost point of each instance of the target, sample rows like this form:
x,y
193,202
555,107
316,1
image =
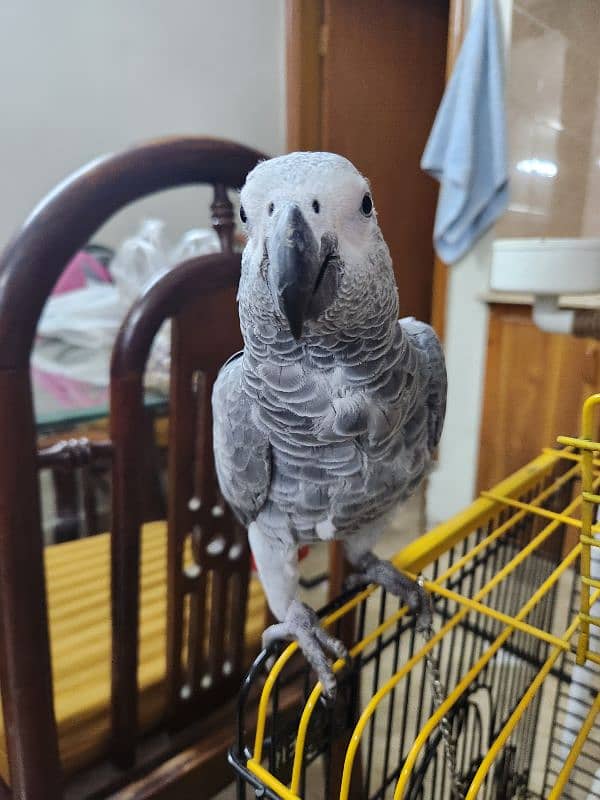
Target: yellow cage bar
x,y
512,626
588,447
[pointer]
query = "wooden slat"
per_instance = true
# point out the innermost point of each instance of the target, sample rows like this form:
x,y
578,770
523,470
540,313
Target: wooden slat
x,y
222,217
196,637
238,613
216,639
196,360
25,670
127,434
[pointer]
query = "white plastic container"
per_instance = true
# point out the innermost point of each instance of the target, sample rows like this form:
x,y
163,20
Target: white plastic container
x,y
546,266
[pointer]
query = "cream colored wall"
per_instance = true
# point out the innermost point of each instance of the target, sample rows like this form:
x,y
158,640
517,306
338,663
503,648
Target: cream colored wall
x,y
79,79
452,484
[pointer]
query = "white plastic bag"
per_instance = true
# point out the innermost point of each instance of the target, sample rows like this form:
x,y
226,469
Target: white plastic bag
x,y
77,329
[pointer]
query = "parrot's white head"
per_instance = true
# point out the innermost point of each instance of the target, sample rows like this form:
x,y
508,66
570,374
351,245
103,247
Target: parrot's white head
x,y
313,240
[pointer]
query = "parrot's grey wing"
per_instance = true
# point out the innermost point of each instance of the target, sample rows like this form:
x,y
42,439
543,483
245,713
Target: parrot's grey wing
x,y
242,452
425,338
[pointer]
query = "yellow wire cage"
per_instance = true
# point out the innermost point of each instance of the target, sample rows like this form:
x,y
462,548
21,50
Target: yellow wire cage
x,y
516,648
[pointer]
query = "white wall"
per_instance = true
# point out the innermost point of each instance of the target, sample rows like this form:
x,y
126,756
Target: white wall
x,y
452,484
80,79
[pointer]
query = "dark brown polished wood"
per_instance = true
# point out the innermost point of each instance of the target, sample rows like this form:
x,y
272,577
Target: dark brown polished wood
x,y
204,334
74,453
29,267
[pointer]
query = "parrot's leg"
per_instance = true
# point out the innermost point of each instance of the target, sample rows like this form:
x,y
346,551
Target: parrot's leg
x,y
372,569
277,565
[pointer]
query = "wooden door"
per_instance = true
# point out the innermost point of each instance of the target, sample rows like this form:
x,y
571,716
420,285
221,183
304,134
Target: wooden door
x,y
365,80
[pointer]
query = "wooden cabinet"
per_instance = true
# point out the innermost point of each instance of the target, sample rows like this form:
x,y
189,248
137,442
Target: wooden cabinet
x,y
535,385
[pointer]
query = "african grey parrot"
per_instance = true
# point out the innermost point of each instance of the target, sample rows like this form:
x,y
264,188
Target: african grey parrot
x,y
330,415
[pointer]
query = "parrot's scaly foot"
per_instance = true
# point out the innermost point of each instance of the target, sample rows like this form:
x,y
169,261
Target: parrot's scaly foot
x,y
302,625
384,573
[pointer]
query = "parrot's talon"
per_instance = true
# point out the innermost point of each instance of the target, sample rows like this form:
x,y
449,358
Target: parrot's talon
x,y
385,574
355,582
301,624
270,662
327,701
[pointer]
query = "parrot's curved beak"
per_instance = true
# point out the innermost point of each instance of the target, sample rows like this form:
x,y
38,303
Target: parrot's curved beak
x,y
296,266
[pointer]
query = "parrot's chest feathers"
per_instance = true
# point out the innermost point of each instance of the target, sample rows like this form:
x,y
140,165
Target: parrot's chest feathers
x,y
341,432
319,404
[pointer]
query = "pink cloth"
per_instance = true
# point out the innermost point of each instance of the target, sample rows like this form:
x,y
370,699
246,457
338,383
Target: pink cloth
x,y
61,393
78,272
57,392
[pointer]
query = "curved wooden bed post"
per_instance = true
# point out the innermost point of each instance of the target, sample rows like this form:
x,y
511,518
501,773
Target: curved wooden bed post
x,y
29,268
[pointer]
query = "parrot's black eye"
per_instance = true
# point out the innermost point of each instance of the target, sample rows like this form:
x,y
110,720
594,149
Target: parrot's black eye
x,y
270,209
243,216
367,205
316,206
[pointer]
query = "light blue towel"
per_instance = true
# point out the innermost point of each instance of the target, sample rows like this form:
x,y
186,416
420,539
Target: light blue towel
x,y
466,151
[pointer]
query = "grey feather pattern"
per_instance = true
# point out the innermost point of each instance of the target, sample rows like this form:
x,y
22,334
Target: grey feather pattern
x,y
241,450
346,442
428,343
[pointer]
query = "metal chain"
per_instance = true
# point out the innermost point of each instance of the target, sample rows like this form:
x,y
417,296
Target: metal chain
x,y
439,696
